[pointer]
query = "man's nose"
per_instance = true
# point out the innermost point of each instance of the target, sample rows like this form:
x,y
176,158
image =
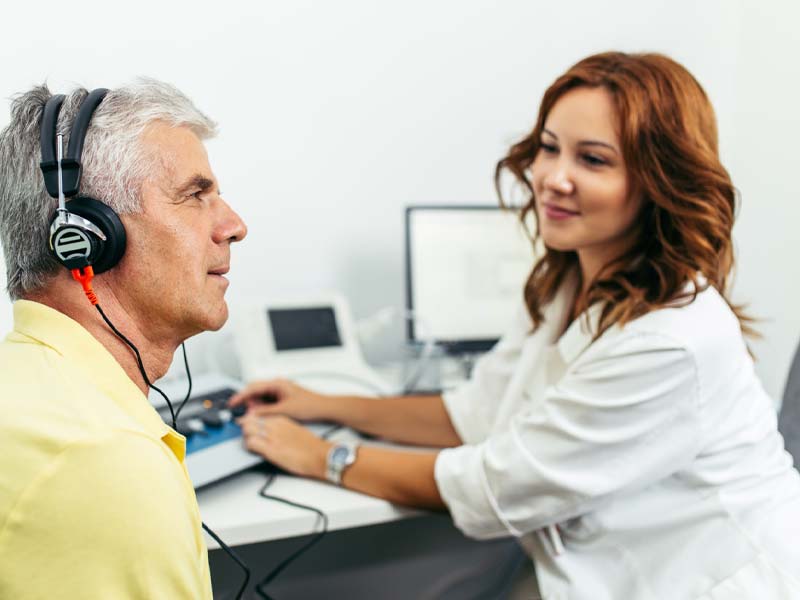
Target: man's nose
x,y
231,227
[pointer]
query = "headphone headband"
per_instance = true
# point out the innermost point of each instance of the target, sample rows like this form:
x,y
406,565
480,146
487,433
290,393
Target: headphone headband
x,y
71,164
47,141
71,168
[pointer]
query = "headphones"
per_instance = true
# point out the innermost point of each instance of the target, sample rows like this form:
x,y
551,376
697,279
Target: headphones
x,y
85,232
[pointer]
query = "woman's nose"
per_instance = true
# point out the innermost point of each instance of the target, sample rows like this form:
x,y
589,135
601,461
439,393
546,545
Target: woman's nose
x,y
560,179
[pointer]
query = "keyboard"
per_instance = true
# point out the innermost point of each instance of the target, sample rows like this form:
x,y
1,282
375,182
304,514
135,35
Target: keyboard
x,y
205,420
214,448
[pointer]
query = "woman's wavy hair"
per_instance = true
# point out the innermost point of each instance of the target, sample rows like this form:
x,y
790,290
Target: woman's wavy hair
x,y
668,134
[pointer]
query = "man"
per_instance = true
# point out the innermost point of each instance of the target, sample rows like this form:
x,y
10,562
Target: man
x,y
95,501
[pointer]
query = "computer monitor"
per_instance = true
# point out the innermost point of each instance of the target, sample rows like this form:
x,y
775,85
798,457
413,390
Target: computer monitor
x,y
465,271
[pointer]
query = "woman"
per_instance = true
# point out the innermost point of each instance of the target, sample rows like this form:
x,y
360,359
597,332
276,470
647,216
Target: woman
x,y
618,429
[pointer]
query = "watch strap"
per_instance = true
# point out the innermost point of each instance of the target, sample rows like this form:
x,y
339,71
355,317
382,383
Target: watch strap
x,y
335,466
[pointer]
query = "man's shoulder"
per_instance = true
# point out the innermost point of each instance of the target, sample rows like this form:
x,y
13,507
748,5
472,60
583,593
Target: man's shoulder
x,y
117,502
79,466
104,480
45,403
30,371
59,428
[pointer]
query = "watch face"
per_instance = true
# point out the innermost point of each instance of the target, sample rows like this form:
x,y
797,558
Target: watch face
x,y
339,456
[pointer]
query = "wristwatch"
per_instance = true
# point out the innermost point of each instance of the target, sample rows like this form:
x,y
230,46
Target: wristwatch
x,y
341,456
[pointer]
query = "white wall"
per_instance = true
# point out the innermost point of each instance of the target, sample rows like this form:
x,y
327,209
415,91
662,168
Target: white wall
x,y
761,151
334,115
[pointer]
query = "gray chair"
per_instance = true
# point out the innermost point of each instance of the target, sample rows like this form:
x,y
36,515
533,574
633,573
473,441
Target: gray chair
x,y
789,418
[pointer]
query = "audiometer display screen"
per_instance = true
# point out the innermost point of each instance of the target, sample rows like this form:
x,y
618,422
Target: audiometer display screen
x,y
304,328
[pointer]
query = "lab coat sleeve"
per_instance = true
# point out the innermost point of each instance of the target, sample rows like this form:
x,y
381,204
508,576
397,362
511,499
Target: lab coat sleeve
x,y
625,414
472,406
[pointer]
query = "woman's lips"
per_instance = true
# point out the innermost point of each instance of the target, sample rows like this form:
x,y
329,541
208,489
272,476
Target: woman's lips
x,y
558,213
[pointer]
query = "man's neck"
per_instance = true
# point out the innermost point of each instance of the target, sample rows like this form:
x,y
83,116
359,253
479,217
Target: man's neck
x,y
66,296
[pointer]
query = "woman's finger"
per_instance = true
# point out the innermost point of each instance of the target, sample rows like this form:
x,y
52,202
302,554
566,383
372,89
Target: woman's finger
x,y
254,391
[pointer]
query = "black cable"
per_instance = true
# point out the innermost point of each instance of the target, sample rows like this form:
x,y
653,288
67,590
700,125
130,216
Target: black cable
x,y
174,415
229,551
189,391
139,362
292,557
262,492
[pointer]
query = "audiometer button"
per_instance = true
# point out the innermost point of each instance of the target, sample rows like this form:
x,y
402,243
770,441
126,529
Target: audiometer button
x,y
212,418
188,427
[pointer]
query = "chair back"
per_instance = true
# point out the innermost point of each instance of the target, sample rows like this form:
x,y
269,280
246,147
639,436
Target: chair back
x,y
789,418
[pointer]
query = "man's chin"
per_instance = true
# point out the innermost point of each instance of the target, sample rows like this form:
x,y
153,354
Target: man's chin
x,y
210,321
219,319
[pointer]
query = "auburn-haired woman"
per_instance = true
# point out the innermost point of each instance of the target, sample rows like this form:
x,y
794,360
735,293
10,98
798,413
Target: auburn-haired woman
x,y
618,429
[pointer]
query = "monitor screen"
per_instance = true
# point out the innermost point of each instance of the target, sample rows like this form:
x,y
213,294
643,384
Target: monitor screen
x,y
466,267
304,328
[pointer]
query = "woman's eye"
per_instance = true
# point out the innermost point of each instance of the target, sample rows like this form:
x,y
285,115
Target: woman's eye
x,y
594,160
548,148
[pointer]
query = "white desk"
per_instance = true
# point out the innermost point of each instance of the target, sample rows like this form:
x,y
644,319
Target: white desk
x,y
237,513
375,549
369,553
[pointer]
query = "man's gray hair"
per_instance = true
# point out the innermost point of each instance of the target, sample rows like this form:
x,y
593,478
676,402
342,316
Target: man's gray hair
x,y
115,165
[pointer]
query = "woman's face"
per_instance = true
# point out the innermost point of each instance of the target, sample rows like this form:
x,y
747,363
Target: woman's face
x,y
583,200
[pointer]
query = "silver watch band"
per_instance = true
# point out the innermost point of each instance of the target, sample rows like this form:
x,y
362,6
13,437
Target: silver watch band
x,y
340,456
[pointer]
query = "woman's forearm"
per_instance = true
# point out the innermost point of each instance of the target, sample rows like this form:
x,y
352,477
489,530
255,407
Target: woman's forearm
x,y
401,477
418,420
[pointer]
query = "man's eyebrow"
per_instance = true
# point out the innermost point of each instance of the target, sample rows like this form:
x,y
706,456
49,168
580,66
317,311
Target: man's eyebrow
x,y
586,142
194,182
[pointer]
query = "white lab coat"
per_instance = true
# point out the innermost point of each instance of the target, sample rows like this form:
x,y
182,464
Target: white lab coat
x,y
654,449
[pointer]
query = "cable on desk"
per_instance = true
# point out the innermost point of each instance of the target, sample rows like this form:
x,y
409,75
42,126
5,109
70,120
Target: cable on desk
x,y
263,493
235,558
297,553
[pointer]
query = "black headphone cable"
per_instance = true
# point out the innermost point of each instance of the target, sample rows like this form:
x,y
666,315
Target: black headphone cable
x,y
84,277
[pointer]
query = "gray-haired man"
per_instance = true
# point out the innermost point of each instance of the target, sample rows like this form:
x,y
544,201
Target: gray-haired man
x,y
95,501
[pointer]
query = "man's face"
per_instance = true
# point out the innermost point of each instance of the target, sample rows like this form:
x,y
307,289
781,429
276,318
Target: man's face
x,y
172,274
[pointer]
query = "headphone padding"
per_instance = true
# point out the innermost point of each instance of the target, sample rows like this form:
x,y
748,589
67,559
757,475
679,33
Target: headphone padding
x,y
109,223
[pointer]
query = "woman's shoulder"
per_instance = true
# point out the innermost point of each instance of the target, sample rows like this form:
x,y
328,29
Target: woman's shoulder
x,y
701,322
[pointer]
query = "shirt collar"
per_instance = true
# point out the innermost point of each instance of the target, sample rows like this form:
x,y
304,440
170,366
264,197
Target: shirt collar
x,y
580,333
93,364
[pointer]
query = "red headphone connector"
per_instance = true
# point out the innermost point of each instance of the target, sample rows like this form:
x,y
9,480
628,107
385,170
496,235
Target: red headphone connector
x,y
84,277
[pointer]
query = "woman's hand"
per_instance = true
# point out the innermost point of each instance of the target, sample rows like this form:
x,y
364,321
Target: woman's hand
x,y
285,444
281,397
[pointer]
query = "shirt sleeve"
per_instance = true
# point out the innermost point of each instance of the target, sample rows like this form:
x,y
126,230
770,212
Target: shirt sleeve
x,y
625,415
472,407
110,519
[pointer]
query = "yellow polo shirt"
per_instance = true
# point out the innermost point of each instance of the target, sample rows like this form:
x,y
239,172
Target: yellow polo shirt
x,y
95,500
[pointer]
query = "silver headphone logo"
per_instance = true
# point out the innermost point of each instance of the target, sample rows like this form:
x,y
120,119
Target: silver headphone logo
x,y
71,242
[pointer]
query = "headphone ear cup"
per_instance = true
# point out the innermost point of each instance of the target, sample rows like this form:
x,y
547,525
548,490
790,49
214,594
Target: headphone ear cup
x,y
110,251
